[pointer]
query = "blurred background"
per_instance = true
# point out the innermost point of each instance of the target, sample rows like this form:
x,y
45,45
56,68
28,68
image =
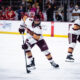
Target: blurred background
x,y
49,10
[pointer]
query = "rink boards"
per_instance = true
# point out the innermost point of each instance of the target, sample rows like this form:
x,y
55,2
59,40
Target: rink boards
x,y
54,29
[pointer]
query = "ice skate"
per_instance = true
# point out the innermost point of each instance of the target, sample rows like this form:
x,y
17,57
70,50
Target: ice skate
x,y
32,65
54,64
69,58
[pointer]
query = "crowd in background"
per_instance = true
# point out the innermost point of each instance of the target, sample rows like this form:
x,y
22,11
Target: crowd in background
x,y
51,12
10,13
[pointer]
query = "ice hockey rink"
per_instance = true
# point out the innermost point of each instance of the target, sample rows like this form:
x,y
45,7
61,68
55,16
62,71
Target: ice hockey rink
x,y
12,61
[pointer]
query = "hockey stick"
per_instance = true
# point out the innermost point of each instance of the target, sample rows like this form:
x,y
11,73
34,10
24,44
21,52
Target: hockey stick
x,y
28,71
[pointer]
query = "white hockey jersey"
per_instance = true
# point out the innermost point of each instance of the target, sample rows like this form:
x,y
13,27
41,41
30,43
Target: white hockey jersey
x,y
71,30
76,11
38,30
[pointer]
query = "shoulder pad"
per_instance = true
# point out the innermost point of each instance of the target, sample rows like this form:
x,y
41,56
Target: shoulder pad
x,y
77,22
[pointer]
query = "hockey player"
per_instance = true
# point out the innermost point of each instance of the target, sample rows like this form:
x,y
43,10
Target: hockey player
x,y
73,36
34,37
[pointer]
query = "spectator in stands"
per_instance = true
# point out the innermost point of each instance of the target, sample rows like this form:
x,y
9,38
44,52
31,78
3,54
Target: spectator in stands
x,y
33,9
49,13
36,3
23,3
29,8
47,4
4,14
48,1
2,8
16,15
37,9
19,12
41,16
30,1
1,16
10,14
9,7
70,10
53,3
60,9
76,10
58,16
3,11
41,5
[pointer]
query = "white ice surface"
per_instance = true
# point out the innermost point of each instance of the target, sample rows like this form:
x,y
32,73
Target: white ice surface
x,y
12,62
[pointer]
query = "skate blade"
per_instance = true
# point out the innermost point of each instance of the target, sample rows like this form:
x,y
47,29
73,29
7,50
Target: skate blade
x,y
31,68
56,67
69,60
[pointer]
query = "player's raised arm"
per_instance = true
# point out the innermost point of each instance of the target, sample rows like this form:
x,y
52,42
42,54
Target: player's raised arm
x,y
22,25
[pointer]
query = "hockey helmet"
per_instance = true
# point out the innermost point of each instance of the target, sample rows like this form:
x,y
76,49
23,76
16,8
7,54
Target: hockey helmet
x,y
37,18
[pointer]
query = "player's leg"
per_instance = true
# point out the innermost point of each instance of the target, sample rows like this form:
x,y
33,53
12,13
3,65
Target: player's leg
x,y
44,48
31,59
27,47
50,59
72,42
78,39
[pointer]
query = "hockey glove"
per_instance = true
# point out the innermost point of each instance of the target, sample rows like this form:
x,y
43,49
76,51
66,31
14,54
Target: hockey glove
x,y
24,46
21,31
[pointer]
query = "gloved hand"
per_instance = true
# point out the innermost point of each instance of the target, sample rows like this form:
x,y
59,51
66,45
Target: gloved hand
x,y
21,31
24,46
